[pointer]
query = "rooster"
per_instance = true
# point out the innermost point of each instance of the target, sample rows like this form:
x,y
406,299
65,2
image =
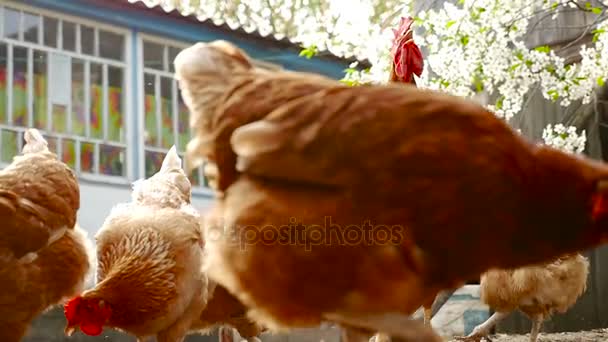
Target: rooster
x,y
407,57
315,156
44,254
149,278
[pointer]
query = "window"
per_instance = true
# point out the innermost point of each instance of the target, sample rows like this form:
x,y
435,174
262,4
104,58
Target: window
x,y
166,117
67,79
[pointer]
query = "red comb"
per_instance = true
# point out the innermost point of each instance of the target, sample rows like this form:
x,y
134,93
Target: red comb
x,y
405,25
407,57
69,310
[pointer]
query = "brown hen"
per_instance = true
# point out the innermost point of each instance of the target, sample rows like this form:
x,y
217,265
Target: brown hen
x,y
302,153
539,291
149,252
43,253
223,309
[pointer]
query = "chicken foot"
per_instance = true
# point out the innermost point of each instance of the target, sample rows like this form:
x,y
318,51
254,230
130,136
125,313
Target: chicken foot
x,y
483,330
400,328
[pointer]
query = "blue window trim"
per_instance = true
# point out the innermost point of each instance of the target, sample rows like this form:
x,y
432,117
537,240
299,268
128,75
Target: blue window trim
x,y
173,28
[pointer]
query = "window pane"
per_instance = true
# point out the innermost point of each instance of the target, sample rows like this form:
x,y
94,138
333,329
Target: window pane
x,y
173,52
153,162
87,160
96,109
183,124
59,114
150,134
19,86
111,160
153,56
87,40
50,31
9,145
69,36
166,111
68,152
78,109
111,45
11,23
31,27
3,95
115,104
40,89
52,143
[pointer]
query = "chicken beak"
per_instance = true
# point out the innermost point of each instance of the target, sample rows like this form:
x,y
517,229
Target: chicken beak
x,y
69,329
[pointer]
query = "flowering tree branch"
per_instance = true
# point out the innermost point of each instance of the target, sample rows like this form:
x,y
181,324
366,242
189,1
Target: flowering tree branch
x,y
471,46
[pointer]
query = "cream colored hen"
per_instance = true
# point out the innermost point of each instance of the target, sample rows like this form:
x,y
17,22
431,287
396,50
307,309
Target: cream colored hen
x,y
149,278
43,253
538,291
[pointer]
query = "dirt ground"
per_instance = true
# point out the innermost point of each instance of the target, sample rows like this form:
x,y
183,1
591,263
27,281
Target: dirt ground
x,y
580,336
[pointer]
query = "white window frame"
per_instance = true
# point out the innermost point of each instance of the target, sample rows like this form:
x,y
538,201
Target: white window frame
x,y
196,190
126,65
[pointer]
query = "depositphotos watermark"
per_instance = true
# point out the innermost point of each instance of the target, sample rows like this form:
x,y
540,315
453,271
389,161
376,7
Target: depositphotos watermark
x,y
297,233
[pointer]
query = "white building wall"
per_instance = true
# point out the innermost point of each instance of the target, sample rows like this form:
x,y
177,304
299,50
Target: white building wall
x,y
97,199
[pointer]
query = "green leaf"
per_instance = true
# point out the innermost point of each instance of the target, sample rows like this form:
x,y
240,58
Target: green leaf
x,y
464,40
499,102
554,5
553,94
450,23
519,55
600,81
587,5
544,49
528,63
514,66
597,33
309,52
596,10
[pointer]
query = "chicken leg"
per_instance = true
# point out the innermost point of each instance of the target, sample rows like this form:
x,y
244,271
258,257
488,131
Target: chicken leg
x,y
483,330
537,323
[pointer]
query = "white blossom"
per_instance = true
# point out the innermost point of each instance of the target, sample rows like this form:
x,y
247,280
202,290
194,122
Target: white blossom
x,y
469,45
564,138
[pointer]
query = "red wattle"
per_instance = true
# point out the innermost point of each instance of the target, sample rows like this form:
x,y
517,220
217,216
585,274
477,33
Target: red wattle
x,y
91,329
